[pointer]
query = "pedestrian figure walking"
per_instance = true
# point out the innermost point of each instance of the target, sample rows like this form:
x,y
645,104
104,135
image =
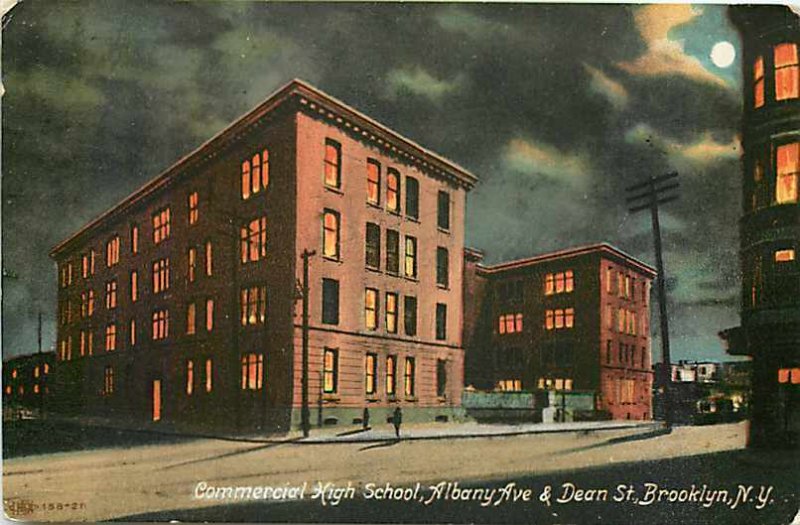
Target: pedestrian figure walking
x,y
397,419
365,419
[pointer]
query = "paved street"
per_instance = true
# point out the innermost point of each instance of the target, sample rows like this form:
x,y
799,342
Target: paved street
x,y
161,481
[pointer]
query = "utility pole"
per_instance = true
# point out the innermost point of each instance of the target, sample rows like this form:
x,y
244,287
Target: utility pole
x,y
644,196
305,414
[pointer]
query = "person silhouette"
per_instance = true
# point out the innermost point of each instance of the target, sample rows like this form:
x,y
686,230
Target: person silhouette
x,y
365,419
397,419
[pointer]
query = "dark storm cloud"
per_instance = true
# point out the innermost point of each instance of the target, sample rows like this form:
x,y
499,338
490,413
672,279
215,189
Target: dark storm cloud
x,y
541,101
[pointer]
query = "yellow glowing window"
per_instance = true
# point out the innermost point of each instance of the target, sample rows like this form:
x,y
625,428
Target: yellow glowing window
x,y
209,259
161,226
36,371
89,344
134,286
391,374
569,281
255,176
784,255
333,153
392,190
132,333
569,317
371,309
253,239
14,374
111,295
329,371
46,368
111,337
194,212
559,314
209,375
112,251
408,378
371,372
134,239
411,257
549,284
252,371
160,275
191,318
373,182
786,71
788,172
192,261
246,179
160,324
264,169
82,348
189,377
85,265
330,233
253,305
758,82
391,313
35,389
609,277
209,315
549,322
789,375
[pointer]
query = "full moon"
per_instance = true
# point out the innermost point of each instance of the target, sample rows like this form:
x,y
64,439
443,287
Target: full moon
x,y
722,54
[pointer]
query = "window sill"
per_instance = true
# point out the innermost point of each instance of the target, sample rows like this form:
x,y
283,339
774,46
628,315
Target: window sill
x,y
330,398
446,231
396,213
328,258
442,286
412,399
333,189
410,278
372,269
392,274
372,399
374,205
412,219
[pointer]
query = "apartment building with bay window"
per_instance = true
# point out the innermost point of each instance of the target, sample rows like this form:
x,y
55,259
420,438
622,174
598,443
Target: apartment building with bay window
x,y
770,222
572,320
180,306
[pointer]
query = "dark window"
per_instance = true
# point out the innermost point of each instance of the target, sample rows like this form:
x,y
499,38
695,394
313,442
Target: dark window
x,y
330,301
441,321
373,247
392,251
442,267
410,315
412,197
443,211
441,377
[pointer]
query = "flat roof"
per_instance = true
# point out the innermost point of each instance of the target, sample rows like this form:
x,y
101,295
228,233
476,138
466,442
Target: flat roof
x,y
603,247
313,98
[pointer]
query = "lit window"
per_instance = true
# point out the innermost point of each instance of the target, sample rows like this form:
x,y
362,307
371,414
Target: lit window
x,y
89,346
373,246
112,251
111,337
91,262
134,239
134,286
411,257
443,210
255,174
160,324
391,312
191,318
330,371
160,275
82,350
209,259
131,333
371,374
391,375
252,371
509,385
161,226
758,82
561,282
84,304
373,182
108,381
85,265
330,301
253,240
111,295
609,277
393,190
189,377
788,162
408,378
330,234
333,159
194,212
209,314
371,309
442,267
510,323
559,318
412,198
192,261
789,375
392,252
441,321
621,320
784,255
786,71
253,309
209,375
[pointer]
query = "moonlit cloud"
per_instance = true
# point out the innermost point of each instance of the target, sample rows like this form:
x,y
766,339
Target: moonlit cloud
x,y
526,156
664,56
703,151
419,82
606,86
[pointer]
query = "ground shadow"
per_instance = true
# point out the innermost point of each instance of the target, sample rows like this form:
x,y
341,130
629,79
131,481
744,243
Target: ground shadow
x,y
382,444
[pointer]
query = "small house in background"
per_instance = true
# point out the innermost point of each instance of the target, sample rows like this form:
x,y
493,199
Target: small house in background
x,y
27,380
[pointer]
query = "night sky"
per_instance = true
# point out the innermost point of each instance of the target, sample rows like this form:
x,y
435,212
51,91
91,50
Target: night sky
x,y
556,108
